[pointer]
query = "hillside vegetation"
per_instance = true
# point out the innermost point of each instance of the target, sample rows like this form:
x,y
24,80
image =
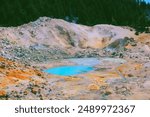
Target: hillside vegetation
x,y
88,12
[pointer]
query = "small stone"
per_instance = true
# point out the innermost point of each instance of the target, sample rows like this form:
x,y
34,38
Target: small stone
x,y
107,93
130,75
35,90
25,92
93,87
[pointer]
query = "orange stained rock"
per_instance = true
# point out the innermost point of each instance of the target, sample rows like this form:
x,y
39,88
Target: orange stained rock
x,y
2,93
138,66
24,75
8,80
100,77
98,81
129,46
135,66
8,62
143,38
93,87
15,73
2,59
71,79
100,45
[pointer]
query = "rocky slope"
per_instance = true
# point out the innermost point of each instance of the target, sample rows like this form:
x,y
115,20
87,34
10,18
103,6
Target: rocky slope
x,y
28,49
54,38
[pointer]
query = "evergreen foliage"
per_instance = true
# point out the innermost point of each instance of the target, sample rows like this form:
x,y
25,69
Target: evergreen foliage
x,y
88,12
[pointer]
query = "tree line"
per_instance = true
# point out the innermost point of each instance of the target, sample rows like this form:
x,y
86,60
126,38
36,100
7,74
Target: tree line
x,y
89,12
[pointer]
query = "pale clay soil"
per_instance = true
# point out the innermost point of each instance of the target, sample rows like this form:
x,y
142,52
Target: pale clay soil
x,y
120,58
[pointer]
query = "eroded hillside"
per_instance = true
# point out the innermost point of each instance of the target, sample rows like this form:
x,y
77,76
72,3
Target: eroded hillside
x,y
123,70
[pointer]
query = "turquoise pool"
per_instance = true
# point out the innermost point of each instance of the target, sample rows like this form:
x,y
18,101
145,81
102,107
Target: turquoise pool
x,y
69,70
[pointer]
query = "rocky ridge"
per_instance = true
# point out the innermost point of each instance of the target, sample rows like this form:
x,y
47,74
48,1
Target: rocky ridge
x,y
49,38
